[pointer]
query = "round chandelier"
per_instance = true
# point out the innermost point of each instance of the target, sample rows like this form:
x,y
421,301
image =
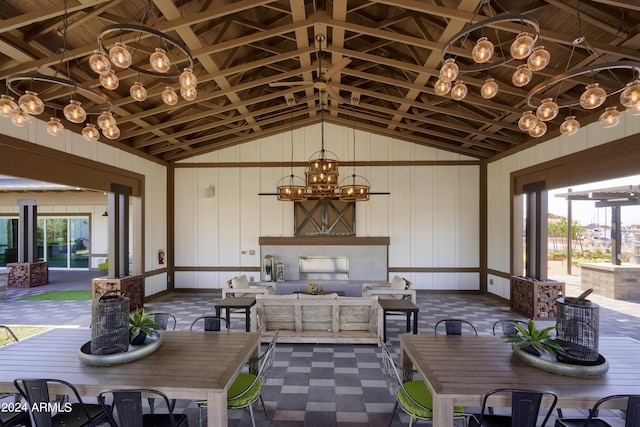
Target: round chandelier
x,y
291,188
354,188
167,53
321,175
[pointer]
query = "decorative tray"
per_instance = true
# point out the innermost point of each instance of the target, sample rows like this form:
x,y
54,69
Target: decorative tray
x,y
151,344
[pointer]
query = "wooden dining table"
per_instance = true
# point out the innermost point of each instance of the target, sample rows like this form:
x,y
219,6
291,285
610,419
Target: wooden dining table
x,y
194,365
461,369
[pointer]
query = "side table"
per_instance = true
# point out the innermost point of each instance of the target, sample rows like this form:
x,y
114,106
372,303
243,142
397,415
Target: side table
x,y
237,303
399,305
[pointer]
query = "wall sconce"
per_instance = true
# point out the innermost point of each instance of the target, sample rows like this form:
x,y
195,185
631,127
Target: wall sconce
x,y
210,192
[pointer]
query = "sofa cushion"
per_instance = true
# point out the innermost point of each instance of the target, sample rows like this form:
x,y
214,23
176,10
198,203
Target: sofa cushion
x,y
398,283
276,297
240,282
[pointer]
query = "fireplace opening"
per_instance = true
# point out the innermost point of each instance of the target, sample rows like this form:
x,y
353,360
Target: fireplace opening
x,y
323,268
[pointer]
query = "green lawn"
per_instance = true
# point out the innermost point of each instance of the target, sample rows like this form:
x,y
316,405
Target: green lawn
x,y
21,332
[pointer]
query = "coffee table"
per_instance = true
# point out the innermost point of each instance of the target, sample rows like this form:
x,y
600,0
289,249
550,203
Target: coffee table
x,y
399,305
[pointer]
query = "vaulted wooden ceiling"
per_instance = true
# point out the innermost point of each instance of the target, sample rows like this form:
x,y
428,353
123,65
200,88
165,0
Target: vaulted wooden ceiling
x,y
240,47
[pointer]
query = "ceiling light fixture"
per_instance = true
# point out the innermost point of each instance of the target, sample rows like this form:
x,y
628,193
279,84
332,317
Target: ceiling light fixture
x,y
322,172
354,188
115,53
291,188
488,53
27,86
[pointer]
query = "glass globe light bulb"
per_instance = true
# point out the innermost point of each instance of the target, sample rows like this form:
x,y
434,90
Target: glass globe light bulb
x,y
522,76
138,92
449,71
593,97
55,127
634,110
109,80
120,56
459,91
106,120
99,62
30,103
538,130
527,121
188,79
522,46
160,61
489,89
570,126
548,110
442,87
169,96
112,132
630,96
21,119
539,58
74,112
90,132
8,107
610,118
482,51
188,93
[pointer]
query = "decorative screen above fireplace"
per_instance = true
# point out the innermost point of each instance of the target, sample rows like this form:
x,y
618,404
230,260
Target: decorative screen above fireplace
x,y
325,217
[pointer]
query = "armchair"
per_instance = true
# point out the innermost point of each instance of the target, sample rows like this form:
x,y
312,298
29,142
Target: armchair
x,y
240,286
398,288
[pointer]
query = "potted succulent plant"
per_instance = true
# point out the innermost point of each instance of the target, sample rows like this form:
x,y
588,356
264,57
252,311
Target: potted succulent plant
x,y
534,340
141,324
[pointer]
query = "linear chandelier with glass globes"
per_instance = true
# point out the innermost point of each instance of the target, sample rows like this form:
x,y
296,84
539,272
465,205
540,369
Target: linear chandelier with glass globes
x,y
542,100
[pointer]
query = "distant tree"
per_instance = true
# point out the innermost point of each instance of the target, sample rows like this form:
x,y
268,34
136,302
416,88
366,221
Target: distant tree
x,y
558,229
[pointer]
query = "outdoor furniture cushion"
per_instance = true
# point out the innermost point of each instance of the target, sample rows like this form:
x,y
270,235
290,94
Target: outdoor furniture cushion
x,y
240,282
332,295
398,283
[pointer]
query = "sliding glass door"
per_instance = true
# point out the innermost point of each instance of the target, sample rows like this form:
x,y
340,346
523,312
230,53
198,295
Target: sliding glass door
x,y
62,241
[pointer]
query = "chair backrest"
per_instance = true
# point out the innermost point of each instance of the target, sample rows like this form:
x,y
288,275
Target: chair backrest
x,y
125,408
395,381
632,418
507,326
264,367
525,405
9,332
36,393
166,321
455,326
209,323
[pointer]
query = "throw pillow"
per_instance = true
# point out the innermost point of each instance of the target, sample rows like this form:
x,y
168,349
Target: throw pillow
x,y
240,282
397,283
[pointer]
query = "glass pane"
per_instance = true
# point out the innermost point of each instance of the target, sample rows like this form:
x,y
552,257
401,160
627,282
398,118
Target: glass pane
x,y
57,242
40,239
8,241
79,241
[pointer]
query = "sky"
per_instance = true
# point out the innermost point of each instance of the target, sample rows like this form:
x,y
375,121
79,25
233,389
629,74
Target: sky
x,y
586,213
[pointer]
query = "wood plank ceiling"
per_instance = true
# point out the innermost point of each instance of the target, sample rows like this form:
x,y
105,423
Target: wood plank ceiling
x,y
240,47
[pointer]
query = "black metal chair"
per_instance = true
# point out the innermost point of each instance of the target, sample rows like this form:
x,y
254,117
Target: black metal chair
x,y
12,413
209,323
632,418
166,321
77,414
525,409
455,326
125,409
9,332
507,326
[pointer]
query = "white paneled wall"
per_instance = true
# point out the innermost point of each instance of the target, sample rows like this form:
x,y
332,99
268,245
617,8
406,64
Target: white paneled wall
x,y
499,195
430,215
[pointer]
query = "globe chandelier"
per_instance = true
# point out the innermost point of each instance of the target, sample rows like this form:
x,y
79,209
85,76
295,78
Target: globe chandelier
x,y
291,188
354,188
488,54
617,77
167,53
28,86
